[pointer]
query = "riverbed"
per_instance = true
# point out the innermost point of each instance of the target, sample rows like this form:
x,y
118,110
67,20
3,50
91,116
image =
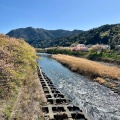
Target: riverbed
x,y
99,102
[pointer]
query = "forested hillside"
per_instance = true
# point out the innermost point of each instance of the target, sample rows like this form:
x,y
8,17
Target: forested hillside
x,y
40,37
106,34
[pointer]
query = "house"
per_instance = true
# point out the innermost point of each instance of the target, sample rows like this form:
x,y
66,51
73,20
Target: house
x,y
117,46
79,47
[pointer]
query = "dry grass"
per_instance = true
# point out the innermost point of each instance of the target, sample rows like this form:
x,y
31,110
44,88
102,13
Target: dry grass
x,y
88,67
17,68
100,80
29,101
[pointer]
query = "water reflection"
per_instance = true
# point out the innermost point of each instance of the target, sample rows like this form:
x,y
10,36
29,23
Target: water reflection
x,y
98,101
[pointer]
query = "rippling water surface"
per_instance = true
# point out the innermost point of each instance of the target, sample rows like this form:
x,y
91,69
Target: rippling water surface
x,y
99,102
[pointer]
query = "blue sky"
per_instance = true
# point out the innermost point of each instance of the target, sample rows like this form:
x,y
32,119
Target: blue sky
x,y
58,14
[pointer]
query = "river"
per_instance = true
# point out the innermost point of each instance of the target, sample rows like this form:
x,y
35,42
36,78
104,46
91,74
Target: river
x,y
99,102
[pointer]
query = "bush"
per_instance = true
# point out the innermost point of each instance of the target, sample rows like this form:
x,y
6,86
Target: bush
x,y
17,60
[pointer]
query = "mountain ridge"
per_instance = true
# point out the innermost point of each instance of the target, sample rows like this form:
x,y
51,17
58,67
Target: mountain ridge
x,y
36,36
105,34
39,37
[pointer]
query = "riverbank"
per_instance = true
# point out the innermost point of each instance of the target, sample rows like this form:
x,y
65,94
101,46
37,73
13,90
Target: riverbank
x,y
20,93
29,101
105,75
108,56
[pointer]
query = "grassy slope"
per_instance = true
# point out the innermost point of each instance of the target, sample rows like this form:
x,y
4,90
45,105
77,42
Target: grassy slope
x,y
94,70
17,68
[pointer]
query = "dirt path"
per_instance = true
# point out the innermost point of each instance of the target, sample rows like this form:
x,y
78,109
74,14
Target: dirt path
x,y
29,101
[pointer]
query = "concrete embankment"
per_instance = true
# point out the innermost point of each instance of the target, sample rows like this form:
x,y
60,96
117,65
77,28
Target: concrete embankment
x,y
58,107
106,75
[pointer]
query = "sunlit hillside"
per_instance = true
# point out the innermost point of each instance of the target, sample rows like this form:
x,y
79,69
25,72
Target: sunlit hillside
x,y
17,65
16,61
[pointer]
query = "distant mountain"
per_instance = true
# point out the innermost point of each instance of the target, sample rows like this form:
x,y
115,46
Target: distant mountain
x,y
40,37
106,34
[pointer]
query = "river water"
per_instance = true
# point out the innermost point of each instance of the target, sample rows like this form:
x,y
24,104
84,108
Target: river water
x,y
99,102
